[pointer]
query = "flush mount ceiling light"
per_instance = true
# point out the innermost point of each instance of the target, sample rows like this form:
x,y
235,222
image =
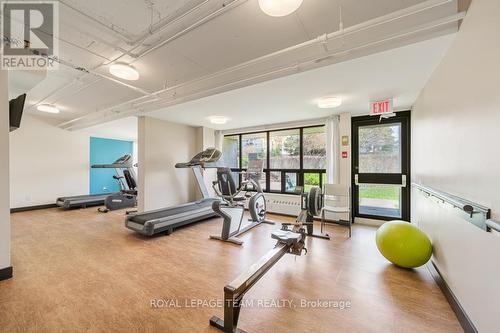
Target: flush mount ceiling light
x,y
218,120
278,8
47,108
124,71
329,102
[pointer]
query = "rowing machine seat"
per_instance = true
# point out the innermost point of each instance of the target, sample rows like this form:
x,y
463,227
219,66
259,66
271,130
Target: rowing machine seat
x,y
286,237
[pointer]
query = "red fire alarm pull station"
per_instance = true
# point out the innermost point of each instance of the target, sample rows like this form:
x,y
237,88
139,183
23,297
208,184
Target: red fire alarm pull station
x,y
344,154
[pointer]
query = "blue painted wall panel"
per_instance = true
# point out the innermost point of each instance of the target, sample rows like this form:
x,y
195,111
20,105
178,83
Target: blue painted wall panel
x,y
105,151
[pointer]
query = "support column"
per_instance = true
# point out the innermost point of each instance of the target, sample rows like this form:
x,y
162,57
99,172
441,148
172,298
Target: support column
x,y
5,262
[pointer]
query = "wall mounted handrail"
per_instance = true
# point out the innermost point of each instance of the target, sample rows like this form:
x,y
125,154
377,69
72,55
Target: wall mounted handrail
x,y
493,225
463,204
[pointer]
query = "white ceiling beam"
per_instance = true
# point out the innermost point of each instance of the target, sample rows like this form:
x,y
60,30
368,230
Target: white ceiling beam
x,y
174,95
224,7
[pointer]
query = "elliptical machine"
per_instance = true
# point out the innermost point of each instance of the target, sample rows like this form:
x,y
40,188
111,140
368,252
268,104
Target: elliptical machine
x,y
232,206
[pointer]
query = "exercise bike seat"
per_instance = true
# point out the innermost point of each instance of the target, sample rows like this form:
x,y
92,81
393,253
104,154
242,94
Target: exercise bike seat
x,y
286,237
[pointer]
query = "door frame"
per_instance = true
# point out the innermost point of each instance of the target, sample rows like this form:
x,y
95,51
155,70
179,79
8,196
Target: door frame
x,y
403,117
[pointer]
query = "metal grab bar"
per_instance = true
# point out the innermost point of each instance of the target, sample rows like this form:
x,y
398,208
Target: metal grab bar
x,y
493,225
464,205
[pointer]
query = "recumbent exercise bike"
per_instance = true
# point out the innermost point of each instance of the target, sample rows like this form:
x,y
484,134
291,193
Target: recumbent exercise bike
x,y
232,206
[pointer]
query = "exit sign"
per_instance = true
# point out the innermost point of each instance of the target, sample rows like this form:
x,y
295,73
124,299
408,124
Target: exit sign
x,y
381,107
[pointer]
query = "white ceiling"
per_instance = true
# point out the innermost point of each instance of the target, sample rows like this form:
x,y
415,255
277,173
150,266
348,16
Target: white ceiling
x,y
121,129
184,49
400,73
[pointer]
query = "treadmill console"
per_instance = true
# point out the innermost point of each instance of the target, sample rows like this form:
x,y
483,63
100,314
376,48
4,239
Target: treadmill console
x,y
210,155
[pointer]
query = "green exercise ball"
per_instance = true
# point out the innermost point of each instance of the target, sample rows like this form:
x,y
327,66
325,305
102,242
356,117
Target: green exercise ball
x,y
403,244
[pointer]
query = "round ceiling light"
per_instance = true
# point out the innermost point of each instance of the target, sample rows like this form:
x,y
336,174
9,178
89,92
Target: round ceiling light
x,y
329,102
278,8
218,120
124,71
47,108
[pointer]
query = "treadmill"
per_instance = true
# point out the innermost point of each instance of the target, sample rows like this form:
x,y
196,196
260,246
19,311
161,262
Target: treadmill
x,y
81,201
90,200
166,220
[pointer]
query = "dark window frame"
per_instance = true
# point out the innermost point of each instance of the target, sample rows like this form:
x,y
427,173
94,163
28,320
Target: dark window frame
x,y
300,171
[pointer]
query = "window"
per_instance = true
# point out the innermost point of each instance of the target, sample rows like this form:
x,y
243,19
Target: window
x,y
292,157
231,151
253,146
285,149
379,148
315,148
311,180
291,182
275,183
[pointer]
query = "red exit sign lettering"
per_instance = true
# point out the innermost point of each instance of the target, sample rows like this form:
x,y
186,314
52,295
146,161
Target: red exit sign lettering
x,y
381,107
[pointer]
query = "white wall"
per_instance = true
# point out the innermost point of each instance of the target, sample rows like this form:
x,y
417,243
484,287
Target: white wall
x,y
46,162
455,146
161,145
4,173
345,163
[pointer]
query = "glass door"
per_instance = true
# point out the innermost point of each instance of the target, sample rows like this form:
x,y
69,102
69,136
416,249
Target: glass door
x,y
381,153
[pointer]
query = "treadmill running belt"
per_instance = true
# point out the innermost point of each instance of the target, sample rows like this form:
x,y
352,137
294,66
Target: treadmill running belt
x,y
142,218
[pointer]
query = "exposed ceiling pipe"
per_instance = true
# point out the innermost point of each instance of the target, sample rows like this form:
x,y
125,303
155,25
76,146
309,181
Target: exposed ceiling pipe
x,y
67,124
209,17
320,39
160,26
312,60
292,68
136,42
394,16
80,89
58,37
85,70
193,26
104,42
67,86
127,37
125,52
324,38
438,23
112,28
130,86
